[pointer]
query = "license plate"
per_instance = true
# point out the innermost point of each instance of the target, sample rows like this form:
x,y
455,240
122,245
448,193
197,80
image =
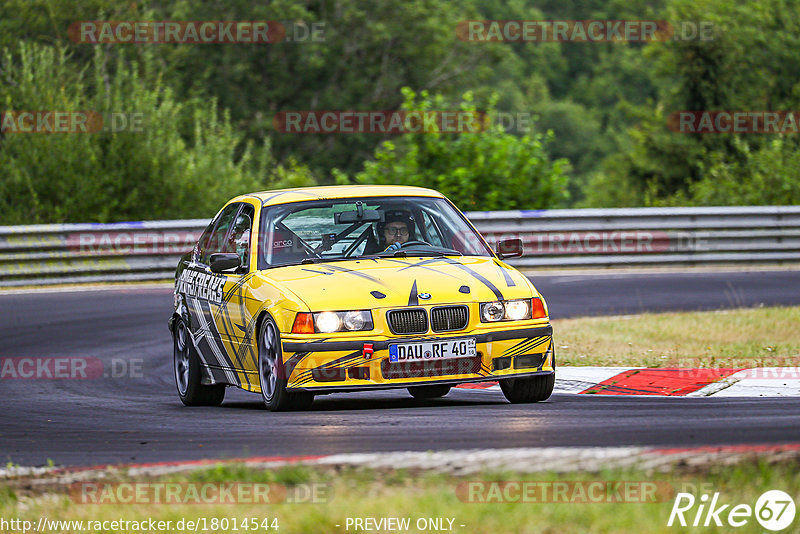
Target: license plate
x,y
432,350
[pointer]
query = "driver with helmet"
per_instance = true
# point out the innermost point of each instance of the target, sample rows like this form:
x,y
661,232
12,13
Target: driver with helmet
x,y
239,241
397,228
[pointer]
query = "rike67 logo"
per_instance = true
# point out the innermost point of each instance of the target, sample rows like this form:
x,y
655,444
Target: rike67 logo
x,y
774,510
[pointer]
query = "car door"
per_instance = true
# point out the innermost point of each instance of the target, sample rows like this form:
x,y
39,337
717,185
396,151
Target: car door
x,y
204,293
235,320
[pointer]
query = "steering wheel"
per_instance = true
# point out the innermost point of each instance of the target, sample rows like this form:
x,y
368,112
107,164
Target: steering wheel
x,y
412,243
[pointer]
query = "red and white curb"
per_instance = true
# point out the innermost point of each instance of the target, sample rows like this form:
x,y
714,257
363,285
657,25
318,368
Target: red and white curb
x,y
672,382
458,462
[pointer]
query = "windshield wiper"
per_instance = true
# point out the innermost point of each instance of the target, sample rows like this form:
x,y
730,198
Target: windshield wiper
x,y
426,252
310,261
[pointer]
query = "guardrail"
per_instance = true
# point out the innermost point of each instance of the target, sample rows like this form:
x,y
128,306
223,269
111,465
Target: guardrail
x,y
82,253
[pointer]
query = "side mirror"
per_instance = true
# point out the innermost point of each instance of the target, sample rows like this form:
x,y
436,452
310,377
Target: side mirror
x,y
509,248
224,262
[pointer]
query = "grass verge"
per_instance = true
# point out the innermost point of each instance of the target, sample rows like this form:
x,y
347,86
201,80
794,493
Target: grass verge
x,y
756,337
419,496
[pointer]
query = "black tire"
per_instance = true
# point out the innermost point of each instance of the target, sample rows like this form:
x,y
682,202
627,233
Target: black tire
x,y
429,392
188,375
532,389
272,378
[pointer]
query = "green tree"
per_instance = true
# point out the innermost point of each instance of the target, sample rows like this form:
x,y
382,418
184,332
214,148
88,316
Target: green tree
x,y
104,176
487,170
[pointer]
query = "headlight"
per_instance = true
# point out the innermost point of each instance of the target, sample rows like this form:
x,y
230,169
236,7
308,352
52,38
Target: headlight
x,y
517,310
511,310
356,320
328,322
492,311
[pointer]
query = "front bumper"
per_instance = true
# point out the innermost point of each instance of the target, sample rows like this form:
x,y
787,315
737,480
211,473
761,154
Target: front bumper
x,y
343,365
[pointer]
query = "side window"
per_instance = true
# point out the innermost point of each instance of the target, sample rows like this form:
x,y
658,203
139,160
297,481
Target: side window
x,y
240,237
202,243
217,240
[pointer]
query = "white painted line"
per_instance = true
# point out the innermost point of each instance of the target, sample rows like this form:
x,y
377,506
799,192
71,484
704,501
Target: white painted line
x,y
764,382
131,286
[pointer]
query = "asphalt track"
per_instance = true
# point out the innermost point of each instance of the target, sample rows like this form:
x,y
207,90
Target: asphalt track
x,y
140,419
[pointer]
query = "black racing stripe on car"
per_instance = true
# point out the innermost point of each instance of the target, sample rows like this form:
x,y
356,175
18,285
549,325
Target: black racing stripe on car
x,y
549,349
509,281
516,334
355,273
423,265
308,375
237,286
534,342
516,346
318,272
226,318
292,362
247,346
402,262
204,328
213,335
264,202
341,360
218,341
227,324
477,276
329,346
525,347
522,346
413,300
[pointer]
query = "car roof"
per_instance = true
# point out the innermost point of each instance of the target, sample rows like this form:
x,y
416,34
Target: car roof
x,y
300,194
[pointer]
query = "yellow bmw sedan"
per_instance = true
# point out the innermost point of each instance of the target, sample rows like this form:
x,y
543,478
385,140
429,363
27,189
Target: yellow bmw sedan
x,y
310,291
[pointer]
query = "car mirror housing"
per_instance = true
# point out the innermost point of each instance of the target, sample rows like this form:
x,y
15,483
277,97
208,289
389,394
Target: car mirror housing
x,y
509,248
224,262
360,215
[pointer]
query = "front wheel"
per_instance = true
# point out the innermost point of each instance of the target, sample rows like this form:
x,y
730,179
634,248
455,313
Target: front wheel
x,y
532,389
271,375
188,375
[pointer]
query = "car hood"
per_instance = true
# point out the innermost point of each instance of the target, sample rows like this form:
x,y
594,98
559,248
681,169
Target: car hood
x,y
392,282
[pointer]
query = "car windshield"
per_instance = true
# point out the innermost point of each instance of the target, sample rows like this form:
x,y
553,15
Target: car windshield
x,y
319,231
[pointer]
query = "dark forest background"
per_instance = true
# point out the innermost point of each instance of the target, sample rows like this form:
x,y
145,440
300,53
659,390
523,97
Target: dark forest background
x,y
599,136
